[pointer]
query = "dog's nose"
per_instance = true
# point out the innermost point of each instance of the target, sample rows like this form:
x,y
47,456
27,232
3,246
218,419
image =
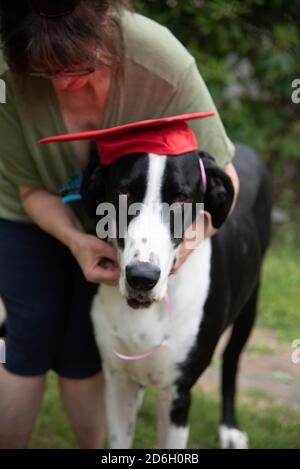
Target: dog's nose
x,y
142,275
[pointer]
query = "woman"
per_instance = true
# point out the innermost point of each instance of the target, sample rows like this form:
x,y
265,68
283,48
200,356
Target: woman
x,y
72,66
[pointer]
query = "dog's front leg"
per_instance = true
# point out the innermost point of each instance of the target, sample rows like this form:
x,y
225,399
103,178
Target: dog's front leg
x,y
173,428
123,398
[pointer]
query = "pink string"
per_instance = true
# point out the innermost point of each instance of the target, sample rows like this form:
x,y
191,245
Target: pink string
x,y
131,358
203,175
168,305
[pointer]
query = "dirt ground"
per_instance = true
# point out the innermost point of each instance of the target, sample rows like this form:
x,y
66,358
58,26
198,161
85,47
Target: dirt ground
x,y
266,366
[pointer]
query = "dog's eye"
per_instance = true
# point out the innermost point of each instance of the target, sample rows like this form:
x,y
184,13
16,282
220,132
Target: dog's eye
x,y
181,199
125,192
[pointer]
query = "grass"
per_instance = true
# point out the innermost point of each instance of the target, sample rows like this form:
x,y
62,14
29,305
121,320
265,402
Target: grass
x,y
269,425
52,429
279,306
260,348
273,426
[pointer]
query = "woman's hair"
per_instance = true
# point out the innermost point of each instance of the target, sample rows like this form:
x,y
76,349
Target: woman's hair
x,y
33,41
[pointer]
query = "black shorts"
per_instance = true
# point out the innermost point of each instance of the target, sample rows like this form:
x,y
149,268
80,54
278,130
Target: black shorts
x,y
47,300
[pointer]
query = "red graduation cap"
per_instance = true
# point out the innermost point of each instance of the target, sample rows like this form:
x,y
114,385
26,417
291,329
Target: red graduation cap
x,y
166,136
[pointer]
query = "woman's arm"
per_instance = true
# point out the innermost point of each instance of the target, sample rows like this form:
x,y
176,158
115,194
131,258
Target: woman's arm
x,y
59,220
209,230
230,170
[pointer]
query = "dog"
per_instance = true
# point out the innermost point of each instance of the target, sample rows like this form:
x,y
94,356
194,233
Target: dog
x,y
216,287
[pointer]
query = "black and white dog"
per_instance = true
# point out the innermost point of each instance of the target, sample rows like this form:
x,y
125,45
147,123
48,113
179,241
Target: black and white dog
x,y
215,288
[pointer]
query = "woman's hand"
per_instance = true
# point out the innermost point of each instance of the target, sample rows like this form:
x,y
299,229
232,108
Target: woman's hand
x,y
98,260
192,239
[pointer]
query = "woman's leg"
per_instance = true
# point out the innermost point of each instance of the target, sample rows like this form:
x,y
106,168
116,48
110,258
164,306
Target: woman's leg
x,y
47,301
20,401
84,403
33,286
78,365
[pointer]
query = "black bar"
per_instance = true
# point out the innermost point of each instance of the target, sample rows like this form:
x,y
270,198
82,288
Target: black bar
x,y
135,458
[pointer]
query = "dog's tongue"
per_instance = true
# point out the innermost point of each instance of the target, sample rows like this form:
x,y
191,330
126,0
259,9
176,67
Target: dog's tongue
x,y
140,299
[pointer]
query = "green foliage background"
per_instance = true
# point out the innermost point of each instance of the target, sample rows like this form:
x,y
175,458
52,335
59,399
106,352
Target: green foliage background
x,y
262,36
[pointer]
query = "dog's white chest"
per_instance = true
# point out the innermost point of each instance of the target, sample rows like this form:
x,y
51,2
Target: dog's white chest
x,y
169,335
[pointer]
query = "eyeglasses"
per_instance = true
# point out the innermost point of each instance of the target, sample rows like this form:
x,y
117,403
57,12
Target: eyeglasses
x,y
54,8
62,73
69,73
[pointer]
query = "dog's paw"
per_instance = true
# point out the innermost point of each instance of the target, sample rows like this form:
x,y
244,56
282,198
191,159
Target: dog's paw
x,y
232,438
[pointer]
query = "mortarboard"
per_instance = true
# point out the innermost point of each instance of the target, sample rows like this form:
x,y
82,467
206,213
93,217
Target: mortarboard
x,y
166,136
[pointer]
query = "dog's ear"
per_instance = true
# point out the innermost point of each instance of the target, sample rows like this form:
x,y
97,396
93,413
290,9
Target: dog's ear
x,y
92,187
219,193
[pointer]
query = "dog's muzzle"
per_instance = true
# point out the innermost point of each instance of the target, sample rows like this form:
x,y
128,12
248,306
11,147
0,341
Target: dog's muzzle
x,y
141,278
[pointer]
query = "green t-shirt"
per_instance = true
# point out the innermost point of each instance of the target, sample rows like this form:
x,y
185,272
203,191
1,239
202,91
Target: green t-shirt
x,y
160,79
